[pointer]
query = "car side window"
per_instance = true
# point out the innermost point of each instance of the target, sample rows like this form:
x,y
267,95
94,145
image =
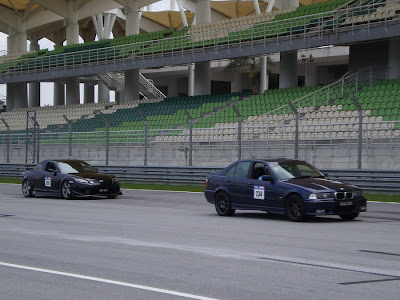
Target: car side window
x,y
242,169
231,172
259,169
50,167
42,166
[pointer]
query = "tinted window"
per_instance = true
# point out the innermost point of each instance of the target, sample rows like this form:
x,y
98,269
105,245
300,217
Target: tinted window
x,y
294,169
231,171
72,167
242,169
50,167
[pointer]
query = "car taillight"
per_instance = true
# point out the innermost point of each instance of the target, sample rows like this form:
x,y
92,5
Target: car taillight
x,y
206,182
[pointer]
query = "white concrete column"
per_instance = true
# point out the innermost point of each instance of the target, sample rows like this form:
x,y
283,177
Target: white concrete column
x,y
203,12
270,6
394,59
191,80
236,83
131,91
10,95
72,23
257,7
172,5
132,18
34,87
20,36
289,4
11,43
203,78
72,91
103,93
288,70
264,74
311,74
88,92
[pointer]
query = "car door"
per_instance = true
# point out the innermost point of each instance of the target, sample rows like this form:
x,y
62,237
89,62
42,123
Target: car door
x,y
263,193
49,181
238,183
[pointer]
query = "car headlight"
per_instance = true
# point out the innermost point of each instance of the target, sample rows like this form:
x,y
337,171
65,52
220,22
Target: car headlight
x,y
357,194
315,196
82,181
115,180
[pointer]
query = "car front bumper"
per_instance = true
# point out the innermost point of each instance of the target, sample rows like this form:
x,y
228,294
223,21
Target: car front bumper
x,y
96,190
335,207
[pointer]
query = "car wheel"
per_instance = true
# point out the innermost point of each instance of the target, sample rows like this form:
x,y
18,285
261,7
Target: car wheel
x,y
27,189
112,196
223,204
295,208
66,191
349,217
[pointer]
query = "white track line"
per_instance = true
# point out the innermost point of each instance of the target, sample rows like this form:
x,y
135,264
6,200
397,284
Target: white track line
x,y
120,283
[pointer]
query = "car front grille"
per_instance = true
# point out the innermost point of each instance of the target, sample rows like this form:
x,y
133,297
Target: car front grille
x,y
344,195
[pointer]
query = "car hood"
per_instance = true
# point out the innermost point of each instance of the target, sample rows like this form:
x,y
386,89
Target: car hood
x,y
97,176
319,184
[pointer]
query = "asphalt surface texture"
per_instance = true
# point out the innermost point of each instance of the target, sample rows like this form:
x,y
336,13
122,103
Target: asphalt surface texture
x,y
173,245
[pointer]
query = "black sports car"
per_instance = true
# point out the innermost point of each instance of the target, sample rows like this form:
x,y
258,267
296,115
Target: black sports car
x,y
282,186
68,179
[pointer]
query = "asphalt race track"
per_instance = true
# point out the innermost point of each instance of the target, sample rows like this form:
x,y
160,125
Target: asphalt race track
x,y
172,245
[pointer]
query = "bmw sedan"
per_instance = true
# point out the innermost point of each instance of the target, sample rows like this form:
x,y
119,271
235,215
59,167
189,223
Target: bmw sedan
x,y
282,186
68,179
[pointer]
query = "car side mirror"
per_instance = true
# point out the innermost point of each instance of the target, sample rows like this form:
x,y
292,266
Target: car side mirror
x,y
268,178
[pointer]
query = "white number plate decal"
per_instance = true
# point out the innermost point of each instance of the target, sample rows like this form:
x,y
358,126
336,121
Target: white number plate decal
x,y
47,181
103,190
346,203
259,193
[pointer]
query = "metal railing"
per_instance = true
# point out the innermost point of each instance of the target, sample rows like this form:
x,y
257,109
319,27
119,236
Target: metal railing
x,y
369,180
323,24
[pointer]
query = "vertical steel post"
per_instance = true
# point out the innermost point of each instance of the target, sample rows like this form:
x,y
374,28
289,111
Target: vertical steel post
x,y
296,138
239,133
190,120
107,136
36,139
69,135
360,131
27,137
145,135
8,139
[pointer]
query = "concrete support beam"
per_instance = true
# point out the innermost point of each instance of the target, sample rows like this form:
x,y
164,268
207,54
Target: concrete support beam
x,y
286,4
270,6
73,94
203,12
131,91
34,87
264,74
311,75
191,80
72,23
59,93
236,83
10,89
202,79
394,59
20,95
288,70
173,87
88,92
257,7
103,93
132,18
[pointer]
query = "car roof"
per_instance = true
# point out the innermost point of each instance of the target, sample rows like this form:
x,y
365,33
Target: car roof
x,y
274,159
69,160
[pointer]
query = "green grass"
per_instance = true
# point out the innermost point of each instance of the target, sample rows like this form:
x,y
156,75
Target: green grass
x,y
201,187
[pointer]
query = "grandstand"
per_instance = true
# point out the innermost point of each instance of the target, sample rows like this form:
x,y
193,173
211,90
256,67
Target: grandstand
x,y
288,119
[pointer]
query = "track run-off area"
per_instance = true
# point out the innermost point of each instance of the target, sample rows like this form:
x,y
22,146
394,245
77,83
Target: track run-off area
x,y
173,245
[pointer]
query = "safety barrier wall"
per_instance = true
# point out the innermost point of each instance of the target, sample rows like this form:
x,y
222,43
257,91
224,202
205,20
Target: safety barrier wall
x,y
368,180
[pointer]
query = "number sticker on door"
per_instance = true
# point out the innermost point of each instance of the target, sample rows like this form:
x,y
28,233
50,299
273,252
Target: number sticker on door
x,y
47,181
259,192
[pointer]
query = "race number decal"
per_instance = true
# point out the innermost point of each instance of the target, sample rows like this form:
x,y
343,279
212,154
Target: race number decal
x,y
47,181
259,192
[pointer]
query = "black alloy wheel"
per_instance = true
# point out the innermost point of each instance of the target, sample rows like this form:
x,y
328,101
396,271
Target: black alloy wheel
x,y
350,217
27,189
295,208
66,190
223,205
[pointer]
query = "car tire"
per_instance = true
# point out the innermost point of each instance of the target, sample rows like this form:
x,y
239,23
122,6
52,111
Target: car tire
x,y
27,189
295,208
223,205
66,190
350,217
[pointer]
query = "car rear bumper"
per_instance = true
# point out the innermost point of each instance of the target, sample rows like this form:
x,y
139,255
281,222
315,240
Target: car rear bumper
x,y
335,207
210,196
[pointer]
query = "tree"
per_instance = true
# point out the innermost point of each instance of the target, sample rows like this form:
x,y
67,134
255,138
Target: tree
x,y
251,65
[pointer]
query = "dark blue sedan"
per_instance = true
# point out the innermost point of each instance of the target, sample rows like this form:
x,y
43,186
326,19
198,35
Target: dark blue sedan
x,y
282,186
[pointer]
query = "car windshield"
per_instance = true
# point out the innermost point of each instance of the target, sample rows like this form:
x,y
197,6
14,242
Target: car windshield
x,y
72,167
294,169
